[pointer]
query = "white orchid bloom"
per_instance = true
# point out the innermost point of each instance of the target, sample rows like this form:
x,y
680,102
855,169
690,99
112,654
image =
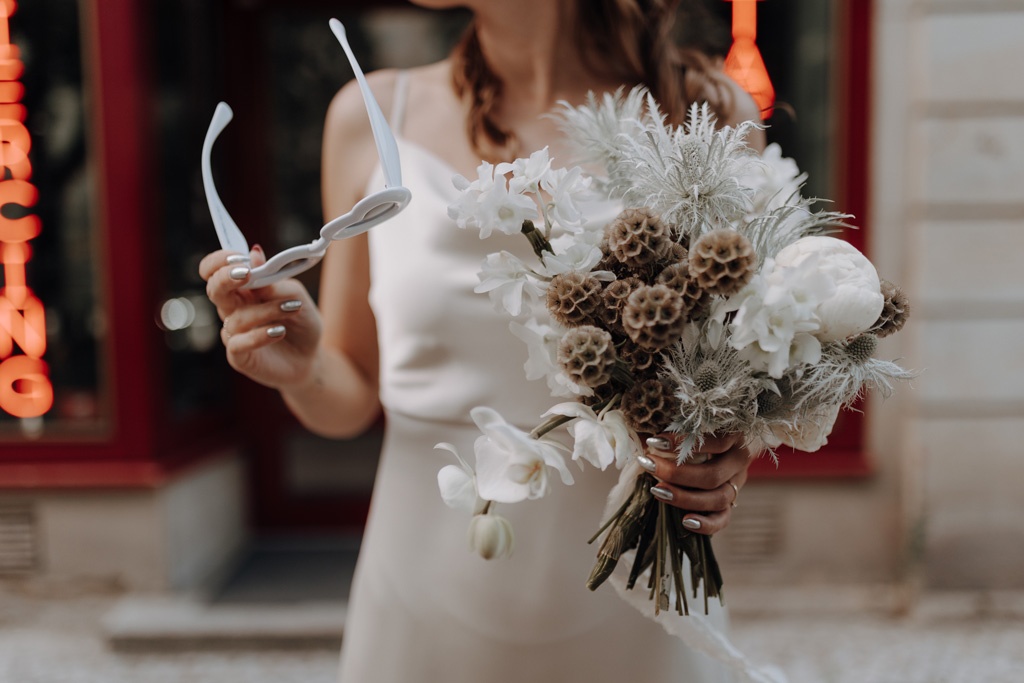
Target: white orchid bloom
x,y
487,204
511,465
567,188
542,361
527,174
491,536
600,439
506,279
578,256
457,482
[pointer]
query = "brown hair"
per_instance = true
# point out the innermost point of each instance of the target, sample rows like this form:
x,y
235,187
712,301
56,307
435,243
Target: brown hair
x,y
633,40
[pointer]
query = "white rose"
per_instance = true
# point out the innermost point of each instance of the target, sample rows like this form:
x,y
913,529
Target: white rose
x,y
857,301
809,435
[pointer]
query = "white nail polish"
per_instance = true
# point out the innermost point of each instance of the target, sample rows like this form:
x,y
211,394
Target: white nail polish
x,y
662,494
291,305
237,258
239,273
276,331
691,524
646,463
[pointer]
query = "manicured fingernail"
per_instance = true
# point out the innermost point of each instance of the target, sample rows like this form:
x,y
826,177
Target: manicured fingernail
x,y
659,443
257,249
237,258
291,305
239,273
691,524
698,458
663,494
276,331
646,463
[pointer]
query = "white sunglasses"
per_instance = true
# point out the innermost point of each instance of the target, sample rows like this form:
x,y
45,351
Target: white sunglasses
x,y
368,212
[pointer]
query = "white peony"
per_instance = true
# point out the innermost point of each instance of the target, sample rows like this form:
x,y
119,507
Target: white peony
x,y
511,465
856,301
810,435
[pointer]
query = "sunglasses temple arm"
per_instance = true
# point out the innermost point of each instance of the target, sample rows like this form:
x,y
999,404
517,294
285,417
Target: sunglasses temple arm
x,y
230,236
387,148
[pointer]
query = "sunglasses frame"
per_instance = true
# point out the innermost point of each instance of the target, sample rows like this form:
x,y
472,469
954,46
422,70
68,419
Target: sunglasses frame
x,y
367,213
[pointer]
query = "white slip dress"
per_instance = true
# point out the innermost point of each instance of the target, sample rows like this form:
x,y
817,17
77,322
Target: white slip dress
x,y
424,607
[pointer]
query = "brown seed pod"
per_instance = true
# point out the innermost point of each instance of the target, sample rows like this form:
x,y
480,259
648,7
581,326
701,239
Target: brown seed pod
x,y
722,262
587,354
574,298
895,311
614,298
653,316
637,238
695,299
650,406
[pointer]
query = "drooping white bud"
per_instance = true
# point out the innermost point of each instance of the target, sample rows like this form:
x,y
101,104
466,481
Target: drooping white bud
x,y
491,536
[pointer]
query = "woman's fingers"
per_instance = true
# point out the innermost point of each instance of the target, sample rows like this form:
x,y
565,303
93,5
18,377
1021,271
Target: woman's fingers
x,y
696,500
267,314
710,474
240,346
707,523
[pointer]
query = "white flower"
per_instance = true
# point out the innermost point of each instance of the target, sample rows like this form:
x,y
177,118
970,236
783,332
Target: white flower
x,y
527,174
491,536
511,465
542,361
808,436
567,187
775,181
457,482
487,204
506,279
599,439
776,316
580,256
856,300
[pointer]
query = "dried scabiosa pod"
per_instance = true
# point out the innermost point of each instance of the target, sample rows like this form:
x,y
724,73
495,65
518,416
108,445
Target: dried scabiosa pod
x,y
638,238
587,354
614,298
722,262
653,316
574,298
640,360
649,406
677,276
895,311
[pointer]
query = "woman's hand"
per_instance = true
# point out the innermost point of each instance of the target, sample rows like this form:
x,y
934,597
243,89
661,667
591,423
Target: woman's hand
x,y
706,486
272,333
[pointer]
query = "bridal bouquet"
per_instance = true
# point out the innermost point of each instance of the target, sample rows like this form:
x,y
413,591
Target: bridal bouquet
x,y
716,302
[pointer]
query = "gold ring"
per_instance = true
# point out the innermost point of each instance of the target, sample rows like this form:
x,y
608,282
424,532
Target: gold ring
x,y
737,490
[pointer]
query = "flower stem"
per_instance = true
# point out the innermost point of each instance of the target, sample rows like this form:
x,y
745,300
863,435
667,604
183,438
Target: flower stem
x,y
537,239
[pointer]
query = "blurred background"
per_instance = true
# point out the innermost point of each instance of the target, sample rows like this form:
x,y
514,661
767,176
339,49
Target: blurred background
x,y
136,465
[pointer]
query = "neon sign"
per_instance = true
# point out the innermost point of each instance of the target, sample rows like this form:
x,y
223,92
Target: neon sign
x,y
25,387
744,63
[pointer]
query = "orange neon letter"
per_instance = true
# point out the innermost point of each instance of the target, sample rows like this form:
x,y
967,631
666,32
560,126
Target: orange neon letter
x,y
15,144
20,193
25,389
26,328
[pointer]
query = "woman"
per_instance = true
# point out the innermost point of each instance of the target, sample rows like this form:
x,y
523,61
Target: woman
x,y
415,340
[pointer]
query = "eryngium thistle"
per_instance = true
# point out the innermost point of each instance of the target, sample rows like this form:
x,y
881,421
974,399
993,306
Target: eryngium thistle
x,y
637,238
895,311
614,298
860,349
722,261
653,316
649,406
574,298
677,276
587,354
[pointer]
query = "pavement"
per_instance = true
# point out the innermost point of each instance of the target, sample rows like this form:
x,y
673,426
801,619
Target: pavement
x,y
62,635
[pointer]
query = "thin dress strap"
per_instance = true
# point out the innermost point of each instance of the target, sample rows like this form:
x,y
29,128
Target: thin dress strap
x,y
398,103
